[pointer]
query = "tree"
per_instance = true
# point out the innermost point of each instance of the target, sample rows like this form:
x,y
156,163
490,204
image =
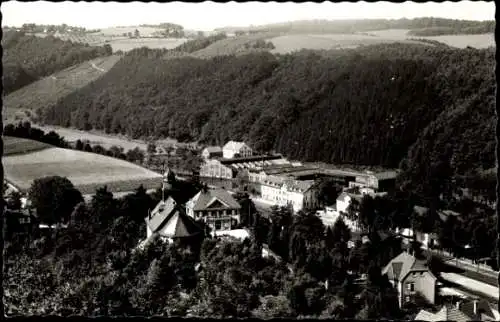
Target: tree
x,y
79,145
54,198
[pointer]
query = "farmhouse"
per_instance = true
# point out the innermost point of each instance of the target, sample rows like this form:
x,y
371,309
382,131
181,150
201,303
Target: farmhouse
x,y
411,276
285,191
216,207
170,221
234,149
211,152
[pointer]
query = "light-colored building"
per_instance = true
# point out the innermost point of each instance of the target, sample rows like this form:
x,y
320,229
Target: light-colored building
x,y
217,169
216,207
234,149
170,221
211,152
284,192
411,276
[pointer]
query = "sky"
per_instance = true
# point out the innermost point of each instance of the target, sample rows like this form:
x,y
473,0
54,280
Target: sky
x,y
210,15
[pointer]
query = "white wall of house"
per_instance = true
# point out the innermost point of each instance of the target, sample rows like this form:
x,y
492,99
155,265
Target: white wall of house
x,y
243,151
343,205
215,169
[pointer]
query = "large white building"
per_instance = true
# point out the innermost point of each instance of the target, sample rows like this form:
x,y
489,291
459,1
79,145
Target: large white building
x,y
234,149
285,192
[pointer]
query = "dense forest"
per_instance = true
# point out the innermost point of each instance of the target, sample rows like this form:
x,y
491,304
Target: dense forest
x,y
27,58
428,26
94,268
367,106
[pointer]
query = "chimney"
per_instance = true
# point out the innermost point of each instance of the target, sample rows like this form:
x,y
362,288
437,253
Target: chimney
x,y
475,306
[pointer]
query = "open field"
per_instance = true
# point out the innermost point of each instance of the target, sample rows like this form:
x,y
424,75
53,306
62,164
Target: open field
x,y
12,146
129,44
290,43
118,31
231,45
462,41
105,140
459,41
114,37
45,92
87,171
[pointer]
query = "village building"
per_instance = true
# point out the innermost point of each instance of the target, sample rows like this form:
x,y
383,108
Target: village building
x,y
211,152
462,311
229,168
233,149
411,276
288,192
216,207
170,221
378,181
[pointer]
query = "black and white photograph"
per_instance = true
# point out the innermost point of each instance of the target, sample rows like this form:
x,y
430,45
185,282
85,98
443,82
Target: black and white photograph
x,y
250,160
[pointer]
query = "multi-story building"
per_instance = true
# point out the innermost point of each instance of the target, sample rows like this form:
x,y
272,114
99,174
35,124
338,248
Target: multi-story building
x,y
288,192
216,207
411,276
170,221
233,149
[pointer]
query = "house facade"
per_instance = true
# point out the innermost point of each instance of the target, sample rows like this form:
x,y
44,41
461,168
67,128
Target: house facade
x,y
211,152
233,149
285,192
411,276
216,169
216,207
170,221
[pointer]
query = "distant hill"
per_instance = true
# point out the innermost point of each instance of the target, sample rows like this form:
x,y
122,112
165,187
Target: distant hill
x,y
41,94
368,106
27,58
425,26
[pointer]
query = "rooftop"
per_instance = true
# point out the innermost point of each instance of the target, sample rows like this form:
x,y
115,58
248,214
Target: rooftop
x,y
206,198
401,265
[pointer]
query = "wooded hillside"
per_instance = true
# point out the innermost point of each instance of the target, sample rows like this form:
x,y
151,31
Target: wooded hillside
x,y
27,58
365,106
427,26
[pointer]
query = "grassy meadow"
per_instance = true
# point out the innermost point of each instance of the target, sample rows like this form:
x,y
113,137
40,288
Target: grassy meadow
x,y
45,92
87,171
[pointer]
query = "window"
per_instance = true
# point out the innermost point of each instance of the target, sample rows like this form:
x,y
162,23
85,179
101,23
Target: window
x,y
410,287
407,299
217,225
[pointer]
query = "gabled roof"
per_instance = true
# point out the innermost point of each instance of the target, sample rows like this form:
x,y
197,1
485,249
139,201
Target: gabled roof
x,y
299,185
401,265
203,199
483,307
447,313
214,149
234,145
169,219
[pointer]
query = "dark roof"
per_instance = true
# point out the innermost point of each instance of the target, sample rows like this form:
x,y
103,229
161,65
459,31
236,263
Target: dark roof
x,y
463,313
405,263
170,220
251,158
214,149
483,307
203,199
